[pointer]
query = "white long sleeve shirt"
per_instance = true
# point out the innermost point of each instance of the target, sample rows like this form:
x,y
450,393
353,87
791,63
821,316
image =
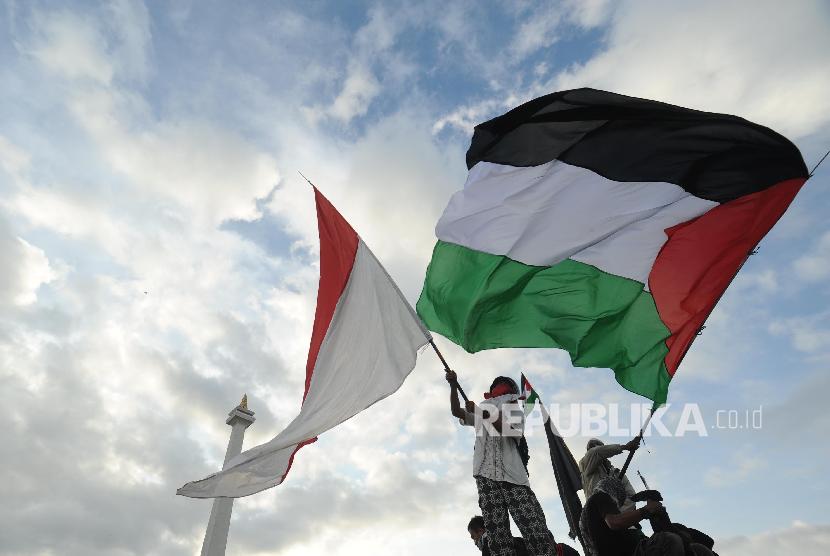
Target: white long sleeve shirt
x,y
595,466
496,456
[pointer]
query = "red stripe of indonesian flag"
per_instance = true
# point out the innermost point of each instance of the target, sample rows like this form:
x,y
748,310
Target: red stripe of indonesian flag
x,y
364,344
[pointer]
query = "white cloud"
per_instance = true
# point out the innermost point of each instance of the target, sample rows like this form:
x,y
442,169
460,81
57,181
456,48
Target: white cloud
x,y
801,538
13,160
770,67
34,270
77,216
76,45
705,55
741,467
589,13
72,46
814,266
195,163
379,32
465,118
26,268
721,350
809,334
391,185
131,22
359,88
766,281
539,30
371,47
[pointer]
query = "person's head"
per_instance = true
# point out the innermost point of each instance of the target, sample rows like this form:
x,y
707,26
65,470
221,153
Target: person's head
x,y
594,442
476,528
502,385
613,487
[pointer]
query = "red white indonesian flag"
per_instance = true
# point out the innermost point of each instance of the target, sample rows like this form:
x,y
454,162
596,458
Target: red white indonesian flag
x,y
364,344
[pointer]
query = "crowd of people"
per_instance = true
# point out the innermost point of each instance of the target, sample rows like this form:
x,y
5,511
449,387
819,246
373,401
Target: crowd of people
x,y
610,522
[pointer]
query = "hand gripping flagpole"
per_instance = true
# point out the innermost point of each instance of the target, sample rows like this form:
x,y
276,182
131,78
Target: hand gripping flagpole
x,y
639,438
447,368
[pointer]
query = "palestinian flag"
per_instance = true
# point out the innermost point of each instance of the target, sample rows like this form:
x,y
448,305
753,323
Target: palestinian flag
x,y
529,395
605,225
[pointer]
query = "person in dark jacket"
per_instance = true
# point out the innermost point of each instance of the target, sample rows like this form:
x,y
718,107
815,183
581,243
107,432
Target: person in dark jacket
x,y
607,530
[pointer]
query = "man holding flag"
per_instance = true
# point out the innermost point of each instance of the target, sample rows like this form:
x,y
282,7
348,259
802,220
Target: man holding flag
x,y
499,469
595,466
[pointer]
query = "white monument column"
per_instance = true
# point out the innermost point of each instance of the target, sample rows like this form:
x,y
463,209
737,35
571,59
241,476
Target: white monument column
x,y
216,536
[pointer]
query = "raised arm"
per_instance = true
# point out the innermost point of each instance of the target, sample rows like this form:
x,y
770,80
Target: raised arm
x,y
596,455
455,404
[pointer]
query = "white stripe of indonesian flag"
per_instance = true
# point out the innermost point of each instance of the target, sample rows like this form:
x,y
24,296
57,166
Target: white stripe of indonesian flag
x,y
368,349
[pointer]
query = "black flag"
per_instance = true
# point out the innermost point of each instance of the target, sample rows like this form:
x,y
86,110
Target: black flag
x,y
564,465
567,478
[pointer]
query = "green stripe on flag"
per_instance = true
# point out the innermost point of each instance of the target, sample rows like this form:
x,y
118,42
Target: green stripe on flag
x,y
483,301
531,397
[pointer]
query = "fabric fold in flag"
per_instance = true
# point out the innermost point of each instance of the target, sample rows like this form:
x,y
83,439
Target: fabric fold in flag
x,y
565,469
364,344
605,225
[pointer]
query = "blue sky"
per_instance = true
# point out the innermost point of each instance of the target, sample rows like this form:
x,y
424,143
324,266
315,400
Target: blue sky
x,y
154,147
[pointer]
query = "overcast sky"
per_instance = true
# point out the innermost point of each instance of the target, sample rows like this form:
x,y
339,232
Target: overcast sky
x,y
159,258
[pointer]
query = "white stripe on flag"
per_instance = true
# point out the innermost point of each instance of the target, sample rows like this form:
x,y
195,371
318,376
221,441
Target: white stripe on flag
x,y
368,351
542,215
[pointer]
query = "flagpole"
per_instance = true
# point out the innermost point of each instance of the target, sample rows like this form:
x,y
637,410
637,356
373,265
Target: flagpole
x,y
431,341
306,179
447,368
751,252
638,437
813,171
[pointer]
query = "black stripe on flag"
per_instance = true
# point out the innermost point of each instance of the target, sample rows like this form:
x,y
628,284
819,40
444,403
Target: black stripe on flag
x,y
713,156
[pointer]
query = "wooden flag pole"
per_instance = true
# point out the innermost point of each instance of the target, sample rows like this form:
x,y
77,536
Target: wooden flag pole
x,y
447,368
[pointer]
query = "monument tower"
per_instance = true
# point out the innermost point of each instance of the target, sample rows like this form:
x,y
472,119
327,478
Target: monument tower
x,y
216,536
